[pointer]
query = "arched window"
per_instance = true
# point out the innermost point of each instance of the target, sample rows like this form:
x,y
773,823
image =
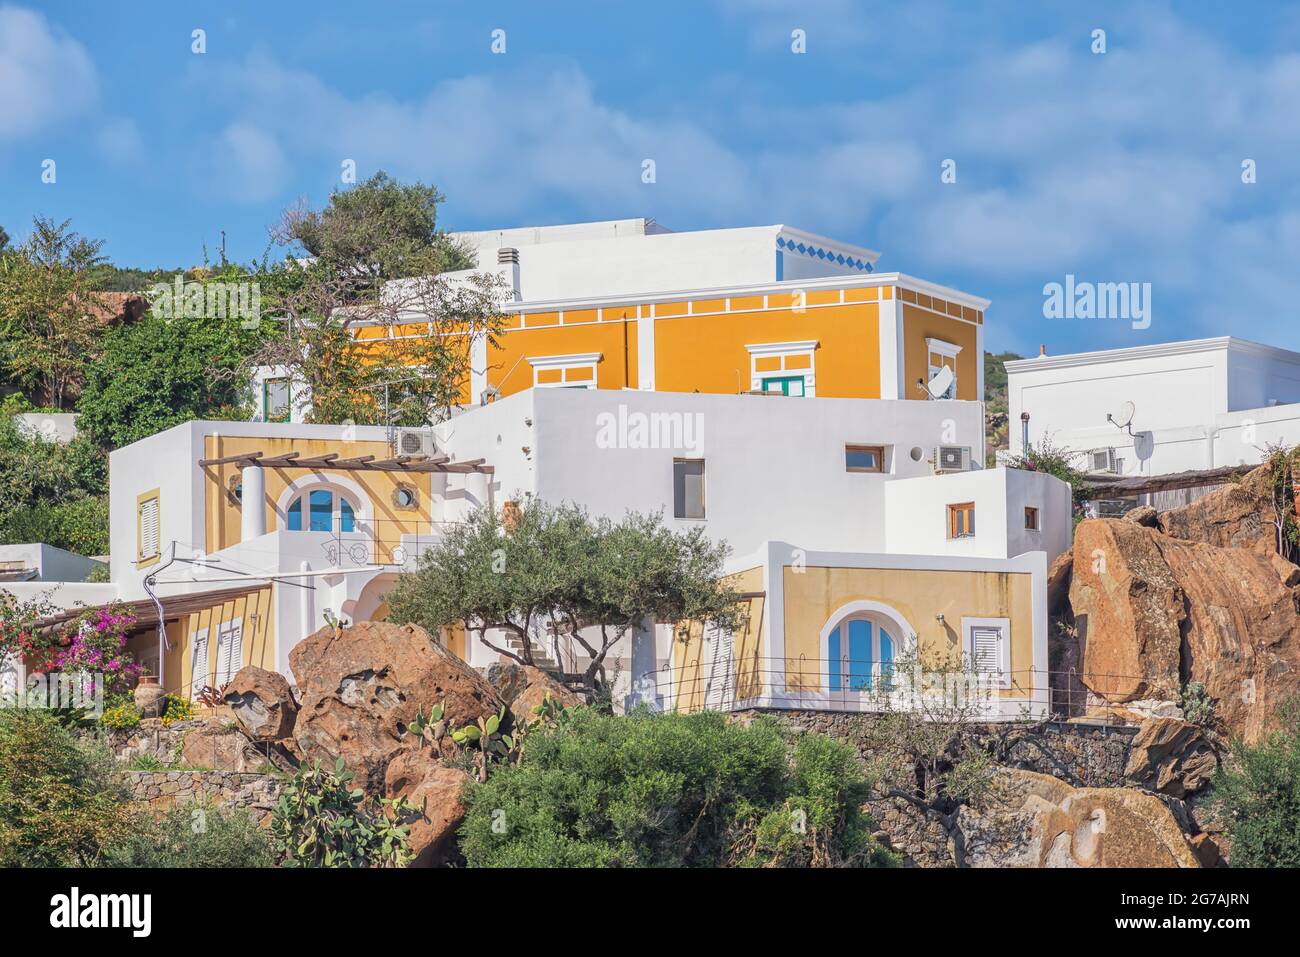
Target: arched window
x,y
860,655
321,504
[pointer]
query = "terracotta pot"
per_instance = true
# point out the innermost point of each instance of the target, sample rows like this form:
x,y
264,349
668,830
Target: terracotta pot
x,y
149,697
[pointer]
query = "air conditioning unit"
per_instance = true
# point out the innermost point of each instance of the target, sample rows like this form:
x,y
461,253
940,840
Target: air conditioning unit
x,y
415,442
951,458
1103,460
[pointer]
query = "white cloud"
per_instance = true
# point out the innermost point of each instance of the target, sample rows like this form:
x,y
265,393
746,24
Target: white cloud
x,y
45,76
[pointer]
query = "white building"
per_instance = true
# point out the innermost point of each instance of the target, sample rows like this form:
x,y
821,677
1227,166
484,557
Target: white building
x,y
1191,405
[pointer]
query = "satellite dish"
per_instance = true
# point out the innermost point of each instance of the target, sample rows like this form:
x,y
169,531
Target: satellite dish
x,y
939,386
1124,416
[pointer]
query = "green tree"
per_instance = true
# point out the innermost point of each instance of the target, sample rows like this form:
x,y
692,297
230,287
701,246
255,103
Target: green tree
x,y
374,260
60,805
52,492
160,372
1258,793
49,311
672,790
4,239
592,579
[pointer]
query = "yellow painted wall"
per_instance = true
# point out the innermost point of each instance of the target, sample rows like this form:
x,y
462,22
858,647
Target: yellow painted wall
x,y
509,371
223,514
688,672
257,614
708,354
918,325
814,594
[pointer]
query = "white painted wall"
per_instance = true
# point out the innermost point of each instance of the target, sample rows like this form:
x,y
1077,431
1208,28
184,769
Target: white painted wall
x,y
1200,404
627,256
773,466
916,514
49,563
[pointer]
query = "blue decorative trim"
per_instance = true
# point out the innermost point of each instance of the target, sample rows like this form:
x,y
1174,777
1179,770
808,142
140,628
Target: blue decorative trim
x,y
817,252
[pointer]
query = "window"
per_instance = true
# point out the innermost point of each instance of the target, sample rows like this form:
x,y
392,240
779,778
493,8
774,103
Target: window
x,y
1031,518
276,403
783,368
943,354
320,512
565,372
860,653
148,534
784,385
230,650
988,646
688,488
961,520
405,497
199,662
864,458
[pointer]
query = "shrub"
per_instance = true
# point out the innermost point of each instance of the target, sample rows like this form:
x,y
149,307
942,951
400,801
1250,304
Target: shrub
x,y
59,803
1258,795
120,716
320,821
178,709
194,835
1198,707
650,790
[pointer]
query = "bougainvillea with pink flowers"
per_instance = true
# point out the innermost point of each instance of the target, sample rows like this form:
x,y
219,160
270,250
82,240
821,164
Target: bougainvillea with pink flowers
x,y
94,642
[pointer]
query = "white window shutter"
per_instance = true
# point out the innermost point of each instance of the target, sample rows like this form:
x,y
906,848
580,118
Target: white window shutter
x,y
198,661
986,649
149,528
230,651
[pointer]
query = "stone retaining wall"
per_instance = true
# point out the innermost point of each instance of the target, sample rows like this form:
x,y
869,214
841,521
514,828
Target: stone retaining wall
x,y
164,789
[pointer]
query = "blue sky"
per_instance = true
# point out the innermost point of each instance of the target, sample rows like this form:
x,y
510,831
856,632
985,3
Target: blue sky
x,y
1116,167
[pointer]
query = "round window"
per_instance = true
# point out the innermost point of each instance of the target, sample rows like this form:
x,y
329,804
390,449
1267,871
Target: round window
x,y
404,497
916,453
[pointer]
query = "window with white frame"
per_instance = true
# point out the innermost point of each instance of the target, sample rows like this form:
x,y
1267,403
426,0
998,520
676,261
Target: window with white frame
x,y
688,488
565,372
148,528
230,650
199,674
987,644
860,654
943,355
783,368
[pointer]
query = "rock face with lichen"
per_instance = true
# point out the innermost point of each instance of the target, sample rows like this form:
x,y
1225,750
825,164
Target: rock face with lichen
x,y
1033,820
1153,612
363,686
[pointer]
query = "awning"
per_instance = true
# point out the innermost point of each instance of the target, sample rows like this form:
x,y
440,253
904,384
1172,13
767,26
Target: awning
x,y
146,615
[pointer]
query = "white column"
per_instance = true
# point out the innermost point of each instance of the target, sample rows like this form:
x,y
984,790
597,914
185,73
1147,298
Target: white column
x,y
253,503
307,609
645,349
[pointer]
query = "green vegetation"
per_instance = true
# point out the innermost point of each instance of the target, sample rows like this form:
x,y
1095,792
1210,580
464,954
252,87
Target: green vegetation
x,y
320,821
51,492
60,805
1258,793
193,835
995,403
671,791
556,563
1046,457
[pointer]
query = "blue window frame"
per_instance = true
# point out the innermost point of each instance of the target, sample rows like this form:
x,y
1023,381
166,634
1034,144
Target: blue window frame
x,y
320,512
859,653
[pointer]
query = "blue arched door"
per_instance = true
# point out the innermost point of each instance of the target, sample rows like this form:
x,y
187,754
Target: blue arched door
x,y
860,653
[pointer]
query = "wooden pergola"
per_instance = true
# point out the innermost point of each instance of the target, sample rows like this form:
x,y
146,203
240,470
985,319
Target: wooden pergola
x,y
1115,486
332,461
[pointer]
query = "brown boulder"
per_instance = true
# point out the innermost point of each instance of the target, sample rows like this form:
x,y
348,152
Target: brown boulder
x,y
1143,515
1170,756
220,746
1242,635
1237,515
362,688
1128,610
262,703
420,777
539,685
1153,611
1032,820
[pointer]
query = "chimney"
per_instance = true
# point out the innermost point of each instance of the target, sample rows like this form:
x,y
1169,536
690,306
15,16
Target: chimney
x,y
508,267
1042,350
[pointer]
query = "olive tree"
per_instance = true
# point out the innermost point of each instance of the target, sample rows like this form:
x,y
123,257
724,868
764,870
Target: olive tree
x,y
554,566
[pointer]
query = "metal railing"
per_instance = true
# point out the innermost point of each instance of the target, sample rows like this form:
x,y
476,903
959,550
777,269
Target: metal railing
x,y
871,686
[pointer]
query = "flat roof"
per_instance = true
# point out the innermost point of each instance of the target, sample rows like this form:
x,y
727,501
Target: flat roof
x,y
1187,346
